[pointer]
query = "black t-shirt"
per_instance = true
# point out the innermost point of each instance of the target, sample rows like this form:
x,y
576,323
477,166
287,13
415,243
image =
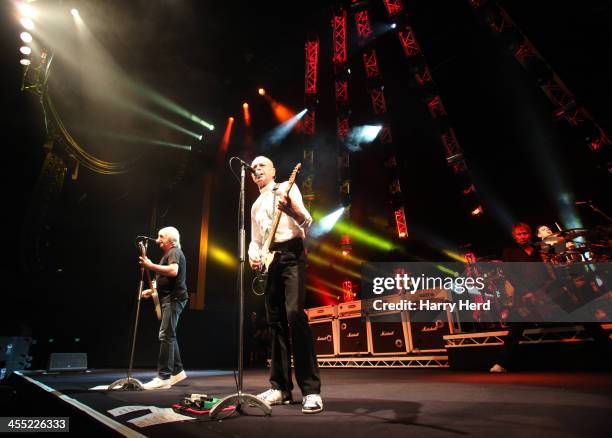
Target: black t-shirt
x,y
525,277
173,288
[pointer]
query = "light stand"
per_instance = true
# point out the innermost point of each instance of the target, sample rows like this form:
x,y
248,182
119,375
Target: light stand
x,y
129,383
239,398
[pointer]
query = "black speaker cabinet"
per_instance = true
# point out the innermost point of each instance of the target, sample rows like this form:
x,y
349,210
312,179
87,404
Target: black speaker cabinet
x,y
67,362
353,335
388,334
325,337
427,329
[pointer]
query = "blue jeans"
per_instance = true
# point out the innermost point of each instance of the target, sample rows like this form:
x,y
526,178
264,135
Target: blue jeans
x,y
169,362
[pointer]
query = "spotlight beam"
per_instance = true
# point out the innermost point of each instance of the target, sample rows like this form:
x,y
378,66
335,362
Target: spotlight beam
x,y
326,223
137,139
280,132
115,73
151,115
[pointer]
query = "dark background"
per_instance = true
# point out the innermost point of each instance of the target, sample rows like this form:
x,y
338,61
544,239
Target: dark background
x,y
210,57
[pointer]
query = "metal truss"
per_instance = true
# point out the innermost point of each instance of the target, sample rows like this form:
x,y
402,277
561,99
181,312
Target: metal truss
x,y
342,92
574,333
340,61
393,7
379,107
342,126
385,136
400,221
339,37
436,108
454,154
476,339
312,59
528,56
409,42
379,104
364,29
308,122
371,64
384,362
422,76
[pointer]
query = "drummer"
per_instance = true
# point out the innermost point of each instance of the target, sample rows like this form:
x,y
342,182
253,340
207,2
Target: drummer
x,y
552,246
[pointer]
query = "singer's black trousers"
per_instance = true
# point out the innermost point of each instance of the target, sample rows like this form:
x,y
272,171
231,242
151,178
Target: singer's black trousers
x,y
285,296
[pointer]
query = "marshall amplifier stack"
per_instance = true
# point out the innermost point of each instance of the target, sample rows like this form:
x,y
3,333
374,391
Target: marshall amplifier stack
x,y
388,331
359,328
428,327
352,329
324,326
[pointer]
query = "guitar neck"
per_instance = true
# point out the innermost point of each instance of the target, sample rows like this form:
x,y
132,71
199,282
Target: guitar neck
x,y
147,272
270,238
275,222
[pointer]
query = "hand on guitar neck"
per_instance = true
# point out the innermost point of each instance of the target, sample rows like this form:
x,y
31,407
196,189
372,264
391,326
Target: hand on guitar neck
x,y
146,265
286,206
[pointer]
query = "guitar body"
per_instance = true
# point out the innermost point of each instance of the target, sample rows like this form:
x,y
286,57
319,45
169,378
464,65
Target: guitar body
x,y
267,257
260,281
155,298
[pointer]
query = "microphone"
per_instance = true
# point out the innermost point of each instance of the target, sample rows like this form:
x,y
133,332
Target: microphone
x,y
150,239
583,202
246,165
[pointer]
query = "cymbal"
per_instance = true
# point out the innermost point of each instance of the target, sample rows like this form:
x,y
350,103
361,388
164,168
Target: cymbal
x,y
553,239
575,232
565,235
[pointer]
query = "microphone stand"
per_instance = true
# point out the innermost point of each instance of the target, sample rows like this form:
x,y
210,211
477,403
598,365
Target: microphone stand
x,y
239,398
131,384
597,210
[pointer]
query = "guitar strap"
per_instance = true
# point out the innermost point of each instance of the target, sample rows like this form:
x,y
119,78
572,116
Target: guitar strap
x,y
275,194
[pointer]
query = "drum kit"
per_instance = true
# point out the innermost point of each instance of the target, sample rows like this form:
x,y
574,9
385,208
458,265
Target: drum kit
x,y
578,245
575,256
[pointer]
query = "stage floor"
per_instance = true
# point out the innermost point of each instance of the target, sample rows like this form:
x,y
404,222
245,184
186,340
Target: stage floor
x,y
368,403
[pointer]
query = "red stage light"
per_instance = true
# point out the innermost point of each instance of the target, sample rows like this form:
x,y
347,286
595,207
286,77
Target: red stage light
x,y
477,211
400,222
347,287
261,91
245,105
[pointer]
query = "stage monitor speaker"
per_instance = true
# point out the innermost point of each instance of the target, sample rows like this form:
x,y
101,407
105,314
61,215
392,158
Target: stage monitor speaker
x,y
325,337
388,334
353,335
67,362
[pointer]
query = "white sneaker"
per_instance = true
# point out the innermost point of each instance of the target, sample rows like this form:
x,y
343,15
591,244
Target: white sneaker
x,y
275,397
312,403
497,368
157,383
178,377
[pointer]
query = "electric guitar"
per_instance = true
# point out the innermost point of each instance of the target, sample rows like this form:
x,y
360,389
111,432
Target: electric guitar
x,y
265,255
154,295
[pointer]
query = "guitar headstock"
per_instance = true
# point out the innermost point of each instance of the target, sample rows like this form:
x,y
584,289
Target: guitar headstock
x,y
296,169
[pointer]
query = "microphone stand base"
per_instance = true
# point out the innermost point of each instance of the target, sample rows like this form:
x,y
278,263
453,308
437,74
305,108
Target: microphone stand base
x,y
128,384
238,400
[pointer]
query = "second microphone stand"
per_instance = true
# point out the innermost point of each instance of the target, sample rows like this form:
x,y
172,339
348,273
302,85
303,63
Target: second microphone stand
x,y
130,383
